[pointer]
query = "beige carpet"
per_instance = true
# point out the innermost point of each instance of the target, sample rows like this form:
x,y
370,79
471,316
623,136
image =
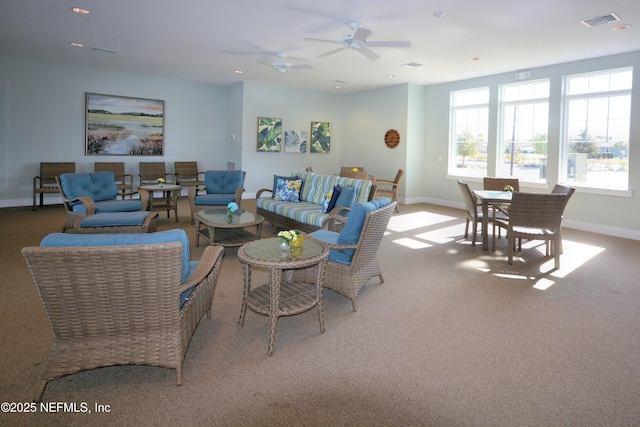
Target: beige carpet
x,y
454,337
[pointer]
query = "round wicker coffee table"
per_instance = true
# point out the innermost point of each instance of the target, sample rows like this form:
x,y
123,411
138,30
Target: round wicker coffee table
x,y
298,290
228,231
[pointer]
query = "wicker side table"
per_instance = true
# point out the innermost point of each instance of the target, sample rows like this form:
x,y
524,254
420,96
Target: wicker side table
x,y
169,200
282,296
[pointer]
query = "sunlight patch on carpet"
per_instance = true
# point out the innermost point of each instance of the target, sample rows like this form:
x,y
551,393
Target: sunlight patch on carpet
x,y
417,220
412,243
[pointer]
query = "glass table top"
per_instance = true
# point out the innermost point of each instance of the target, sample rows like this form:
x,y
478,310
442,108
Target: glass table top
x,y
269,250
219,216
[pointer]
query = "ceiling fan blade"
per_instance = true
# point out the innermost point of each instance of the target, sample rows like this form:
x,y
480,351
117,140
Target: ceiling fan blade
x,y
322,40
301,67
361,34
368,53
331,52
389,43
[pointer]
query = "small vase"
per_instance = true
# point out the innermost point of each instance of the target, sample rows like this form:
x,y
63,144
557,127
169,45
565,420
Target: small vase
x,y
284,245
298,242
229,217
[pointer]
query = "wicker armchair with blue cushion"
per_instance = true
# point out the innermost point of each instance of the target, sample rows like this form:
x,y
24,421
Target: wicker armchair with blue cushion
x,y
222,187
353,251
86,194
121,299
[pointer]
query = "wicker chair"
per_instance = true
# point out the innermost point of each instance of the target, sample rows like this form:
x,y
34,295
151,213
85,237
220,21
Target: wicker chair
x,y
535,216
130,311
391,192
124,181
187,174
151,171
474,212
348,277
46,181
221,186
85,194
498,184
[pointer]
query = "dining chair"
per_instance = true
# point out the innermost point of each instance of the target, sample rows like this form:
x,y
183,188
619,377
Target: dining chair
x,y
187,174
45,182
151,171
473,215
392,187
568,191
124,181
498,184
535,216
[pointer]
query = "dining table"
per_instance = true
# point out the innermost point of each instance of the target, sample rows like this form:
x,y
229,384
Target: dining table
x,y
488,198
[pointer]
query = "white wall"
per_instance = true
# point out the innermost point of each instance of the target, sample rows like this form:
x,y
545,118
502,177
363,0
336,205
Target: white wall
x,y
42,118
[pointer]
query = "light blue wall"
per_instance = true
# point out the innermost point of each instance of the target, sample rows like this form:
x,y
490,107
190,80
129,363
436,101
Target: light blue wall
x,y
42,118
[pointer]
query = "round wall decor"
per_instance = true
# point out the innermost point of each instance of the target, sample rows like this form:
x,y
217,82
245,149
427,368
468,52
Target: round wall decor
x,y
392,138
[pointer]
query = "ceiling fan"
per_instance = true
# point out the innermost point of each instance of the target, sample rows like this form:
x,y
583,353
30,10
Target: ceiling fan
x,y
357,40
283,66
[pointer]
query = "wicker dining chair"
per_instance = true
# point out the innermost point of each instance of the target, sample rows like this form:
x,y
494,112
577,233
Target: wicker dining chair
x,y
389,188
123,304
535,216
46,181
498,184
474,212
348,277
187,175
151,171
124,181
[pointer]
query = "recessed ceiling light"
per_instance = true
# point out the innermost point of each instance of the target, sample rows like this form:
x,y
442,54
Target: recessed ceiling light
x,y
80,10
237,71
75,44
475,58
338,87
438,13
391,76
621,27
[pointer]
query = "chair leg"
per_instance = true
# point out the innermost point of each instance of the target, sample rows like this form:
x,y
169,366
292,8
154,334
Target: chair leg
x,y
475,233
511,242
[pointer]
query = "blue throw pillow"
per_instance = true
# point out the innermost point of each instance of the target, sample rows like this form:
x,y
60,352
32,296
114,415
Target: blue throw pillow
x,y
347,197
328,205
287,189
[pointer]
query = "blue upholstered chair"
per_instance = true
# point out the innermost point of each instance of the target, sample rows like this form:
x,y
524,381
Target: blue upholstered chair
x,y
85,194
353,251
221,186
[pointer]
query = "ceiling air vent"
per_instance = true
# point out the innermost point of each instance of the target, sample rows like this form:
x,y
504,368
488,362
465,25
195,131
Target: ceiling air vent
x,y
599,20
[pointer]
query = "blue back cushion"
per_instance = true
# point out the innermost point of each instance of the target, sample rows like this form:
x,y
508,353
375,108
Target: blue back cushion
x,y
97,185
223,182
177,235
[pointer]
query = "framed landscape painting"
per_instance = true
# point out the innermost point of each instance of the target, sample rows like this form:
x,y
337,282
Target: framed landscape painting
x,y
320,137
269,134
121,125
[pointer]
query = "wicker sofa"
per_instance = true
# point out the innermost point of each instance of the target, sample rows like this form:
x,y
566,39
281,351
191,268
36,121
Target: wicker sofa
x,y
121,299
307,214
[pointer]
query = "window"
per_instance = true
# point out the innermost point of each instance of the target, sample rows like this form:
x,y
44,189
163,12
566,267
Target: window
x,y
595,143
468,135
522,143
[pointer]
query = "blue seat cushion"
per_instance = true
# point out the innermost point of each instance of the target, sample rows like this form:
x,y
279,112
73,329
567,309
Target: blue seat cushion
x,y
111,206
335,255
223,181
177,235
115,219
97,185
215,199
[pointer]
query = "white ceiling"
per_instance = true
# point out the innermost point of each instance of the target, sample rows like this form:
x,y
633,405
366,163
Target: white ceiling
x,y
206,40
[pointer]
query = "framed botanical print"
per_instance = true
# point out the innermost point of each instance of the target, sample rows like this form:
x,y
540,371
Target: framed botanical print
x,y
320,137
269,134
